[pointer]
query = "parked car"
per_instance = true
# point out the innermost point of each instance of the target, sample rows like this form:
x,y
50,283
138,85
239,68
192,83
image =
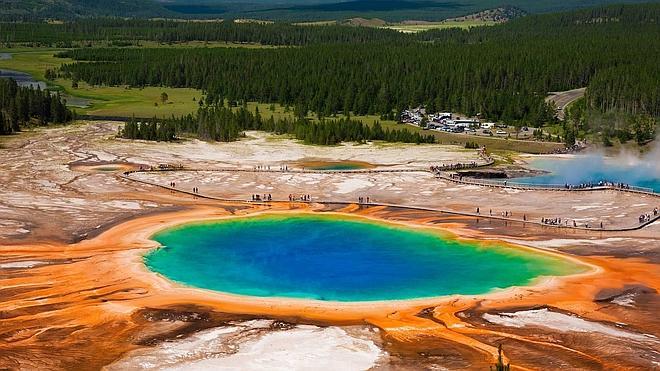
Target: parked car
x,y
488,132
501,132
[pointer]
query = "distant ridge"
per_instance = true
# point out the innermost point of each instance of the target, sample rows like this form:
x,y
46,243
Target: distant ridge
x,y
288,10
501,14
70,9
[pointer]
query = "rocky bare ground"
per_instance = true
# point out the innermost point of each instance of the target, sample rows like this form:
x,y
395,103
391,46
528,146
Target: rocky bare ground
x,y
60,186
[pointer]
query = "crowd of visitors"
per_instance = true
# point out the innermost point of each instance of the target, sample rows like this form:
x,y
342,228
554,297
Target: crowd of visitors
x,y
304,198
647,217
566,223
458,166
554,221
264,197
602,183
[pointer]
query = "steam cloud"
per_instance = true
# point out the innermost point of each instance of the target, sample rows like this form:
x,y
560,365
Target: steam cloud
x,y
626,166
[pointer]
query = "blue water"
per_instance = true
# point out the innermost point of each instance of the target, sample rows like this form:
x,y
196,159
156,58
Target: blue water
x,y
339,259
335,165
26,80
594,168
22,79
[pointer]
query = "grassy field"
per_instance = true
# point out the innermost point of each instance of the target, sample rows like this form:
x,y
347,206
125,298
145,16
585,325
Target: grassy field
x,y
105,101
316,23
491,143
425,26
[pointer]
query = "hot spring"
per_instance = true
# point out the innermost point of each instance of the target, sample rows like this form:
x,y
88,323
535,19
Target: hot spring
x,y
641,172
336,258
334,165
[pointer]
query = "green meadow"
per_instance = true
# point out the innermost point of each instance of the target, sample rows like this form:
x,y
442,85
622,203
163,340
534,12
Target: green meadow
x,y
425,26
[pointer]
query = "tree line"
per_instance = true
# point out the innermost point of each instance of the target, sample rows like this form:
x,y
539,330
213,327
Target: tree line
x,y
21,107
171,31
220,123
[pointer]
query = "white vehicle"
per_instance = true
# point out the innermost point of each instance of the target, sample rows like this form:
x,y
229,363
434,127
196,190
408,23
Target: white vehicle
x,y
488,125
501,132
466,122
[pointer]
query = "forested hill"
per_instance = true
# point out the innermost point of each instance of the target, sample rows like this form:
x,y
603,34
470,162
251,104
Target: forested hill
x,y
72,9
133,31
502,72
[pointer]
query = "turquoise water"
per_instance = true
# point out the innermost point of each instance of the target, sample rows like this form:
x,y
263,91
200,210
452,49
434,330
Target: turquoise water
x,y
337,166
338,259
594,168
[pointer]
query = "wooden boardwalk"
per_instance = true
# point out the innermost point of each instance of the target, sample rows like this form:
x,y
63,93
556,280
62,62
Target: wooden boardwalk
x,y
127,176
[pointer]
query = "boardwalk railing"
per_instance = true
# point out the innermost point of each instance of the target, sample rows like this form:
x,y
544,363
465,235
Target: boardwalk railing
x,y
126,175
295,171
550,187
